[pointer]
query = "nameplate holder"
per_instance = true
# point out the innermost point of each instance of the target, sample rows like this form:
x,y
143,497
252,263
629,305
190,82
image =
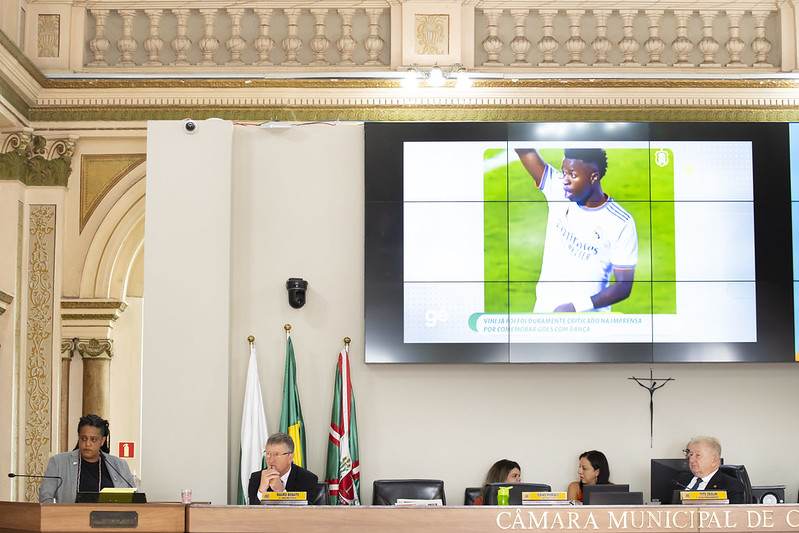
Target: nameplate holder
x,y
114,519
535,497
703,496
285,496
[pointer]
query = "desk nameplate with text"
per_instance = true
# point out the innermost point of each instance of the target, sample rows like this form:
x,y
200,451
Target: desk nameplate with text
x,y
114,519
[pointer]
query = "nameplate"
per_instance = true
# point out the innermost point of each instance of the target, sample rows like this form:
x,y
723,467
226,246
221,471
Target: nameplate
x,y
114,519
703,495
285,496
543,496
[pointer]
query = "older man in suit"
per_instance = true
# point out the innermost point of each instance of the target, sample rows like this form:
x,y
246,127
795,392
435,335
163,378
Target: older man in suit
x,y
704,458
281,474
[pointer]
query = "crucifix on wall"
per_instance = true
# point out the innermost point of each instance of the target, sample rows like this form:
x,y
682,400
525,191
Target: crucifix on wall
x,y
653,385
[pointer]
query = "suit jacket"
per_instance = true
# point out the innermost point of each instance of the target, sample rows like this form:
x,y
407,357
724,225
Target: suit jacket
x,y
721,481
65,466
300,480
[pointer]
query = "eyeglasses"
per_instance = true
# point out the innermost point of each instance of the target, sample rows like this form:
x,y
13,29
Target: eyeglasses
x,y
269,455
686,451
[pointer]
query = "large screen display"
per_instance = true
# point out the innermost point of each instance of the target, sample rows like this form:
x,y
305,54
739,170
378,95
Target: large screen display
x,y
567,242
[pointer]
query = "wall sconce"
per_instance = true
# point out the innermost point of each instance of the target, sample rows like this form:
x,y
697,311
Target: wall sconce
x,y
436,76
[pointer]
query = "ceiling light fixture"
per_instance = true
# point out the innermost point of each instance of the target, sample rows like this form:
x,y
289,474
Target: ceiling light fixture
x,y
436,76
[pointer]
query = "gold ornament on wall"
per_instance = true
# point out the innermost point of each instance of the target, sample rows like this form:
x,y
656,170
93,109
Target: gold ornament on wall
x,y
432,34
38,380
49,35
98,175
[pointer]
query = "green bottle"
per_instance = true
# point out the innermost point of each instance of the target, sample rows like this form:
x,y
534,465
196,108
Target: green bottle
x,y
503,495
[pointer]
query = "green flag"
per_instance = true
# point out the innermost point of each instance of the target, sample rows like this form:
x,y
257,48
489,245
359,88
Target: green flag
x,y
343,467
291,415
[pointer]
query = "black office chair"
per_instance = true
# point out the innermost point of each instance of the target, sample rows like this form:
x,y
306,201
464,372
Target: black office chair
x,y
739,473
471,494
515,493
322,496
388,491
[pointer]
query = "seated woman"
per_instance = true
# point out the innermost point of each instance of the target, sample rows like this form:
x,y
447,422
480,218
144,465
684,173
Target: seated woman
x,y
87,468
503,471
593,470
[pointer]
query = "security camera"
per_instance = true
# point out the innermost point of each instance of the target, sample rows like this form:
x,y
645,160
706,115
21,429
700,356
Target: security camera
x,y
189,126
296,288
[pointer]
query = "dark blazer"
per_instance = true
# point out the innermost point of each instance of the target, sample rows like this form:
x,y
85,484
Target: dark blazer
x,y
299,480
720,481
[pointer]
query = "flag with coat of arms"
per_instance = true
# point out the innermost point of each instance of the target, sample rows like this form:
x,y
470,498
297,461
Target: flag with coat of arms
x,y
343,466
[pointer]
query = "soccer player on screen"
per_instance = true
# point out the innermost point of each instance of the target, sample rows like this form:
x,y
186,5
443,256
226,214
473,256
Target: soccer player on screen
x,y
589,236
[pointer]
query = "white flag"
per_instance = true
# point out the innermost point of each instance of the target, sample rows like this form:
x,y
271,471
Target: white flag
x,y
253,429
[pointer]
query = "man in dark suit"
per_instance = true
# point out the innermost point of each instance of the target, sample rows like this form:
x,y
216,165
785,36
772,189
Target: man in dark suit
x,y
704,458
281,474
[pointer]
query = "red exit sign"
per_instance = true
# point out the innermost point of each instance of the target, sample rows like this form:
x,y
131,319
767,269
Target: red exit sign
x,y
126,450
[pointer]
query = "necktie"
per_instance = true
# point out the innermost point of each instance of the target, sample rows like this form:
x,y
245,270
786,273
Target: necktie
x,y
695,486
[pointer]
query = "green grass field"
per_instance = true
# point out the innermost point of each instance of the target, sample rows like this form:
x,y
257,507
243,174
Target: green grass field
x,y
515,226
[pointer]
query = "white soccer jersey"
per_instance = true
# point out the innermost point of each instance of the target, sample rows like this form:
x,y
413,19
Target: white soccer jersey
x,y
583,245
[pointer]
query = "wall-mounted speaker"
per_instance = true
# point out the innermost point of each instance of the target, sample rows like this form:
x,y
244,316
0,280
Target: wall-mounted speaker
x,y
769,494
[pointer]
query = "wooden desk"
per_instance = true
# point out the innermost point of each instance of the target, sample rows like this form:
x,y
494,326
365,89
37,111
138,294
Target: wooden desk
x,y
98,518
197,518
574,519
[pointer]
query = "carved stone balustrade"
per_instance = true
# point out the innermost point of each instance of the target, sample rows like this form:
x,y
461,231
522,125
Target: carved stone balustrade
x,y
221,37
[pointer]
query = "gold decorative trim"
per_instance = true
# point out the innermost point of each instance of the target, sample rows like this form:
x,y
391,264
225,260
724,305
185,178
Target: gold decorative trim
x,y
86,316
99,173
93,304
38,401
406,113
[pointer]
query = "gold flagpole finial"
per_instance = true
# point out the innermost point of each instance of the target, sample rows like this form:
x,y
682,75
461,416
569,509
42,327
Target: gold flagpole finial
x,y
346,341
287,327
251,340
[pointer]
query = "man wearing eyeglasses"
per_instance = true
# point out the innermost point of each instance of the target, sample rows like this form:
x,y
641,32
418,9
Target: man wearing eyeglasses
x,y
281,474
704,458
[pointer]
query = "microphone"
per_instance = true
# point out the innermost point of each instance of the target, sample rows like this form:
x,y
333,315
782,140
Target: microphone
x,y
108,463
678,484
34,476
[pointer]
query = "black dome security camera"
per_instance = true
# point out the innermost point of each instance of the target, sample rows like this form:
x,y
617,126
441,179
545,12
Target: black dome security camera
x,y
189,126
296,288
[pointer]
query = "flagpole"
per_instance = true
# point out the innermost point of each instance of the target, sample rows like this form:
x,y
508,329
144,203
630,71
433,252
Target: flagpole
x,y
347,343
287,327
253,427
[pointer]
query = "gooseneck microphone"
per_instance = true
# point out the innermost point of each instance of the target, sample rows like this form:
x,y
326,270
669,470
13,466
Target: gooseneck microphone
x,y
34,476
108,463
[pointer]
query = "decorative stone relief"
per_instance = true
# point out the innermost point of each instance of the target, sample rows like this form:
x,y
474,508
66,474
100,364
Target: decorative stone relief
x,y
95,347
49,35
38,375
27,158
431,34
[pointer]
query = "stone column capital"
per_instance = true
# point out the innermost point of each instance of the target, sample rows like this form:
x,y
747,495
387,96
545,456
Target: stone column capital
x,y
5,301
35,161
95,348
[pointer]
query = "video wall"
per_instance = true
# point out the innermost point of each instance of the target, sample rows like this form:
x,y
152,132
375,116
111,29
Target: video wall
x,y
578,242
794,155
